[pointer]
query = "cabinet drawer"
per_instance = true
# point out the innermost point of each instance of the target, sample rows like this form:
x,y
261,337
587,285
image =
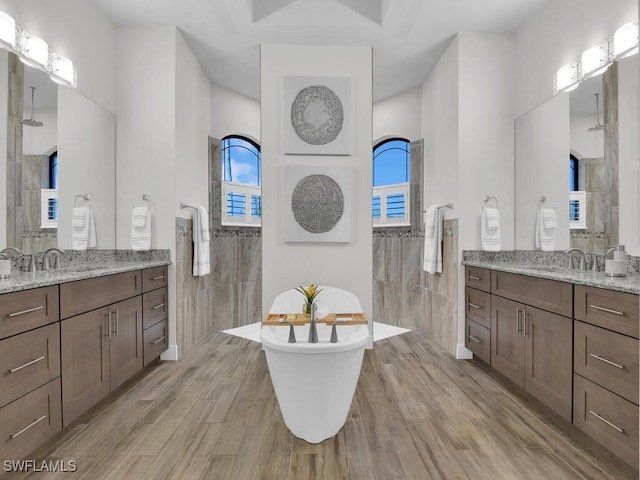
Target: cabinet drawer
x,y
29,309
155,307
607,358
615,311
28,422
479,278
478,306
607,418
478,340
156,341
153,278
85,295
550,295
28,361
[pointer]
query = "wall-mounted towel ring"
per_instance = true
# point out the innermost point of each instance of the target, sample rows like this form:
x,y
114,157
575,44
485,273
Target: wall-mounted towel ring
x,y
541,201
146,198
85,196
489,197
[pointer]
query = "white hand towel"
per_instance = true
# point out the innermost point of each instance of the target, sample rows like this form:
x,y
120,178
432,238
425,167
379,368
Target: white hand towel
x,y
490,237
432,261
81,228
93,241
141,228
204,223
493,218
201,265
545,238
139,217
549,218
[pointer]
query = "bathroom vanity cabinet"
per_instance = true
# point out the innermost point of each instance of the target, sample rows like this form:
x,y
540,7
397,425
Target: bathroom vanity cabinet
x,y
65,347
102,341
571,346
30,362
155,313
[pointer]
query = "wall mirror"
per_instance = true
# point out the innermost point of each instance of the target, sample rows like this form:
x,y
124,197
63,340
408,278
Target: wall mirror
x,y
59,144
582,157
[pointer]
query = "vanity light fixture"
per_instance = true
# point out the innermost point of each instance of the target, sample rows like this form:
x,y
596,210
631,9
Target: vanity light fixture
x,y
63,71
625,41
34,50
7,31
566,78
594,60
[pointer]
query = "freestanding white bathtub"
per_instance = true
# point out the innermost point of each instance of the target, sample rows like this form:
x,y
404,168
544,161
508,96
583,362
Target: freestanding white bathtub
x,y
315,382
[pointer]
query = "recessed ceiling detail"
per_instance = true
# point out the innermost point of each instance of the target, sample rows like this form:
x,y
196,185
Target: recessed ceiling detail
x,y
264,8
372,9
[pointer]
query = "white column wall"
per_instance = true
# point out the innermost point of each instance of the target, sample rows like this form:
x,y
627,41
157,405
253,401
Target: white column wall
x,y
193,124
286,265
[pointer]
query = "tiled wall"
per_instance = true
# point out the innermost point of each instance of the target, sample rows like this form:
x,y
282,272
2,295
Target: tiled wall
x,y
405,295
14,152
231,295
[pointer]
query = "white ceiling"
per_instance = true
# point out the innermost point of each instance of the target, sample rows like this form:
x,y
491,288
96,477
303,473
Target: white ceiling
x,y
407,36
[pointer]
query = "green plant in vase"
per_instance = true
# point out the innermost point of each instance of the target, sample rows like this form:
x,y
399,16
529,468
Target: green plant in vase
x,y
310,293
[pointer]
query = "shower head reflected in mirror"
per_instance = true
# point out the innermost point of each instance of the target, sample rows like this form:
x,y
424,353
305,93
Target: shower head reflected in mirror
x,y
31,122
598,125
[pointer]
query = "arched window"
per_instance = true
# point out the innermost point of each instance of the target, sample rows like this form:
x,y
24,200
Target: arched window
x,y
49,195
391,167
577,198
241,180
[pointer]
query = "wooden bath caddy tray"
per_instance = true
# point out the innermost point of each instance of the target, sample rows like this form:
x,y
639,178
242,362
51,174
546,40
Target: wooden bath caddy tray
x,y
301,319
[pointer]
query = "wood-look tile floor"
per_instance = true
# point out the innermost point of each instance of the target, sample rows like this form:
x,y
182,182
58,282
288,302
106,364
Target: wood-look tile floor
x,y
417,414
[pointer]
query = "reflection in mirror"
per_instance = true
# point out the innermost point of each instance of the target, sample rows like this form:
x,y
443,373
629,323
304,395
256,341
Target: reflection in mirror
x,y
59,145
607,160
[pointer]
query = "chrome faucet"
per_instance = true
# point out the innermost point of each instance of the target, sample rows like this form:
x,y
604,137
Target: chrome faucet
x,y
11,249
292,334
583,258
313,331
45,258
334,332
32,264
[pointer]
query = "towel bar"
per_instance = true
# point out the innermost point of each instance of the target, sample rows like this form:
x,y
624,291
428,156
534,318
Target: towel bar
x,y
489,197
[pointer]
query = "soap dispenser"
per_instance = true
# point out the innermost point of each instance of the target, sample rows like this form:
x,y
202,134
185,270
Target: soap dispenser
x,y
616,267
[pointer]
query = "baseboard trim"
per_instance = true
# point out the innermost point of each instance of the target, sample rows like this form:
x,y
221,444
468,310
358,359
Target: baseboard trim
x,y
463,353
171,354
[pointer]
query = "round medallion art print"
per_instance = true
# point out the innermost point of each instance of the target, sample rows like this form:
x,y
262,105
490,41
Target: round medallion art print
x,y
317,115
317,203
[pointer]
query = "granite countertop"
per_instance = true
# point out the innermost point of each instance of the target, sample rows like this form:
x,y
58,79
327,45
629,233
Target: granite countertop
x,y
628,284
25,280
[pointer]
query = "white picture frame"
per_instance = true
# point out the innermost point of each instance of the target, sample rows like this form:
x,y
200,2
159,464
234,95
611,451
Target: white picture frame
x,y
325,186
317,115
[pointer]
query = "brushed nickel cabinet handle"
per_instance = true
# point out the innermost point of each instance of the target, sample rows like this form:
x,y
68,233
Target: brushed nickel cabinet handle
x,y
518,329
619,429
22,312
155,342
14,435
471,337
117,321
526,317
609,362
159,277
608,310
473,305
158,306
473,277
108,317
35,360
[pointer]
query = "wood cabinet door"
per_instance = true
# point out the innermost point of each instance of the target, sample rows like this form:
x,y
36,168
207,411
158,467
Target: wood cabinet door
x,y
549,356
85,362
507,338
125,350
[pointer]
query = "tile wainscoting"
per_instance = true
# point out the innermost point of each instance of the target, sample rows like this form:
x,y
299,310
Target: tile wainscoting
x,y
406,296
230,296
